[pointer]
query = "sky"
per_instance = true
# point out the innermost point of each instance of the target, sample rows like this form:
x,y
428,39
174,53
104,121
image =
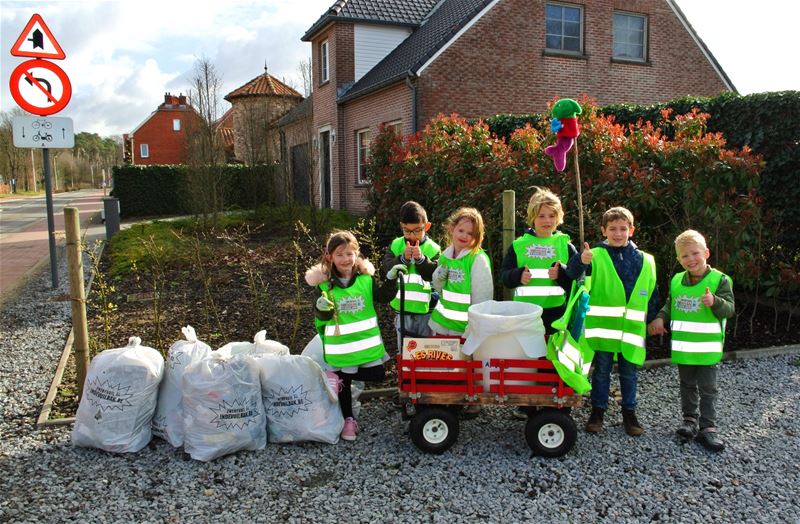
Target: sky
x,y
123,55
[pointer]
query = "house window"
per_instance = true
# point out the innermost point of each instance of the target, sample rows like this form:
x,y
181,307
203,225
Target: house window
x,y
362,148
176,124
564,28
396,125
630,35
323,60
144,150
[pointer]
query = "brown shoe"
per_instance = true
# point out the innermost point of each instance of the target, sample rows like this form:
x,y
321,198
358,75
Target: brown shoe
x,y
595,422
632,426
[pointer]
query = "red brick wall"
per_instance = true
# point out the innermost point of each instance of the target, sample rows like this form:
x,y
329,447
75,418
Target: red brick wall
x,y
166,146
501,67
370,112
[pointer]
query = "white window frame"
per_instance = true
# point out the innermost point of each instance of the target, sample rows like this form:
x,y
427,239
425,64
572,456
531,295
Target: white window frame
x,y
579,8
176,124
614,42
324,62
144,151
362,143
397,125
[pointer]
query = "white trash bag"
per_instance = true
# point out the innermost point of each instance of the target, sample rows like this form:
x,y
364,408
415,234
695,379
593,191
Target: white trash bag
x,y
222,408
168,419
505,329
119,399
298,402
259,346
314,351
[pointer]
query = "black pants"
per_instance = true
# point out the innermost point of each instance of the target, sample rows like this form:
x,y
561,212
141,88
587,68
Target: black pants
x,y
370,374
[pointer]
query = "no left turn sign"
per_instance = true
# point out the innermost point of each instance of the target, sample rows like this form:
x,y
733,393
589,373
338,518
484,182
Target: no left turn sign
x,y
40,87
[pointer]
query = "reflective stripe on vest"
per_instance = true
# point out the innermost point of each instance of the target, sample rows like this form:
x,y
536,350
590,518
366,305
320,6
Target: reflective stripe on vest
x,y
697,334
451,311
353,336
609,326
572,359
417,290
538,254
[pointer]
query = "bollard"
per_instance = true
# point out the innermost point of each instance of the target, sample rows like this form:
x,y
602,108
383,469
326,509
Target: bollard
x,y
80,328
111,215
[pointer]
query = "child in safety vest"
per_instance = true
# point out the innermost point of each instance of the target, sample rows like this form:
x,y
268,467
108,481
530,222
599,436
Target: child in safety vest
x,y
622,283
464,274
420,254
535,266
699,302
346,319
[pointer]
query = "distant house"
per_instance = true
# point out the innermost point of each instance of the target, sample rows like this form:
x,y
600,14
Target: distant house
x,y
401,63
255,107
162,138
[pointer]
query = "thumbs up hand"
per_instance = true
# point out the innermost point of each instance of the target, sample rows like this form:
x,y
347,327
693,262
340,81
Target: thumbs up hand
x,y
586,255
552,271
408,252
525,277
707,298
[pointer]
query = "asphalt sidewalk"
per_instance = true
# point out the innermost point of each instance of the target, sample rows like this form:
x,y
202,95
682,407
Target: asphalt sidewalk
x,y
24,253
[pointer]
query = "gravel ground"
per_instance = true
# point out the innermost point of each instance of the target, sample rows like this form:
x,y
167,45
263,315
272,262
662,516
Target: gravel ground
x,y
488,476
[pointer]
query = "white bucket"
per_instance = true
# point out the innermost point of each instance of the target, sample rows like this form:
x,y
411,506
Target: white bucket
x,y
506,329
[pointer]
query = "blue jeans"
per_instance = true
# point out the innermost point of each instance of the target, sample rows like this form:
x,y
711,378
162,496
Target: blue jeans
x,y
601,380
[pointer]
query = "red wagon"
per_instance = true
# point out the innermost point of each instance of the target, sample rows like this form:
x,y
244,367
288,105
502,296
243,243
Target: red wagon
x,y
434,391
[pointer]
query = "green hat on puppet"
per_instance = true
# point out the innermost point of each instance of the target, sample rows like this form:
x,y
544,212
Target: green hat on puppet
x,y
565,124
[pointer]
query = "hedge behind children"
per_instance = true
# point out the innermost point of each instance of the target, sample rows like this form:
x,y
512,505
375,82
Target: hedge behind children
x,y
464,274
346,319
420,254
700,300
535,266
622,285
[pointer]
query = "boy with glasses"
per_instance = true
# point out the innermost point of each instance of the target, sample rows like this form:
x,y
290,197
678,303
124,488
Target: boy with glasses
x,y
420,254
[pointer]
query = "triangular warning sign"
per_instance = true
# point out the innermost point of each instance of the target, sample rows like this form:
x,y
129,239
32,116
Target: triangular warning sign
x,y
37,41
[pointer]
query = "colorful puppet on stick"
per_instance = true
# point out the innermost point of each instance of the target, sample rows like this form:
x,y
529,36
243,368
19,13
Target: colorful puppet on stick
x,y
565,124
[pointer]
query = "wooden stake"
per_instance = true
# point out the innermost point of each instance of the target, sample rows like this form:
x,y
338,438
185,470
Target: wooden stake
x,y
580,196
509,222
77,295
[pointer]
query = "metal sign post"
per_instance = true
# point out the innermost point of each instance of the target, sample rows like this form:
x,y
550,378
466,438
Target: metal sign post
x,y
51,226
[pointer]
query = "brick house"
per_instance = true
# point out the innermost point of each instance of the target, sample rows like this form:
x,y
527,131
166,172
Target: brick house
x,y
255,107
161,137
401,63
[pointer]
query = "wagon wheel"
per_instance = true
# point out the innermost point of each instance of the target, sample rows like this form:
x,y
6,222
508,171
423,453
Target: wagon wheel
x,y
551,433
434,429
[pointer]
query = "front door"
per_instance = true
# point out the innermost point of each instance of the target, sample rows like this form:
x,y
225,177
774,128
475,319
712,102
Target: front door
x,y
300,174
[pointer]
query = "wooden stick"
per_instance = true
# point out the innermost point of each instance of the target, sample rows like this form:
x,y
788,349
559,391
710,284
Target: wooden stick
x,y
580,196
77,296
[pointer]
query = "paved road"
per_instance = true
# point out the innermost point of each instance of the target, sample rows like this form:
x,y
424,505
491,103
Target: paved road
x,y
23,232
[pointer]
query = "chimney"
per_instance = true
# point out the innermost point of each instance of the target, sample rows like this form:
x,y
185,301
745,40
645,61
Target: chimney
x,y
182,99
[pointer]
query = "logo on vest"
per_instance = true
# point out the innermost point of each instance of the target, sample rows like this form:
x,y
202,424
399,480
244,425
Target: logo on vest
x,y
236,415
286,402
108,396
540,252
687,304
350,304
455,275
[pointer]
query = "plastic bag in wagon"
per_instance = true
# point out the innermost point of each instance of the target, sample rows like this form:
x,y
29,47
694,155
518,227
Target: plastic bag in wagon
x,y
313,350
298,403
168,419
222,408
119,399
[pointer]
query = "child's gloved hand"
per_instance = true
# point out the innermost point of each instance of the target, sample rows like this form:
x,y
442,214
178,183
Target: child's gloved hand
x,y
395,270
323,304
440,278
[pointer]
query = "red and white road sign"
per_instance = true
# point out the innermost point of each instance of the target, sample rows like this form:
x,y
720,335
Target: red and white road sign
x,y
37,41
40,87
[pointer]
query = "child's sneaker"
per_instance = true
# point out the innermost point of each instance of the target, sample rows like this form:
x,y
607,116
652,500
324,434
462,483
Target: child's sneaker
x,y
334,383
350,429
688,429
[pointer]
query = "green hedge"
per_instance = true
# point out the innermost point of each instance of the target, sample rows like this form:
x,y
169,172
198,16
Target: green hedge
x,y
767,123
159,190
